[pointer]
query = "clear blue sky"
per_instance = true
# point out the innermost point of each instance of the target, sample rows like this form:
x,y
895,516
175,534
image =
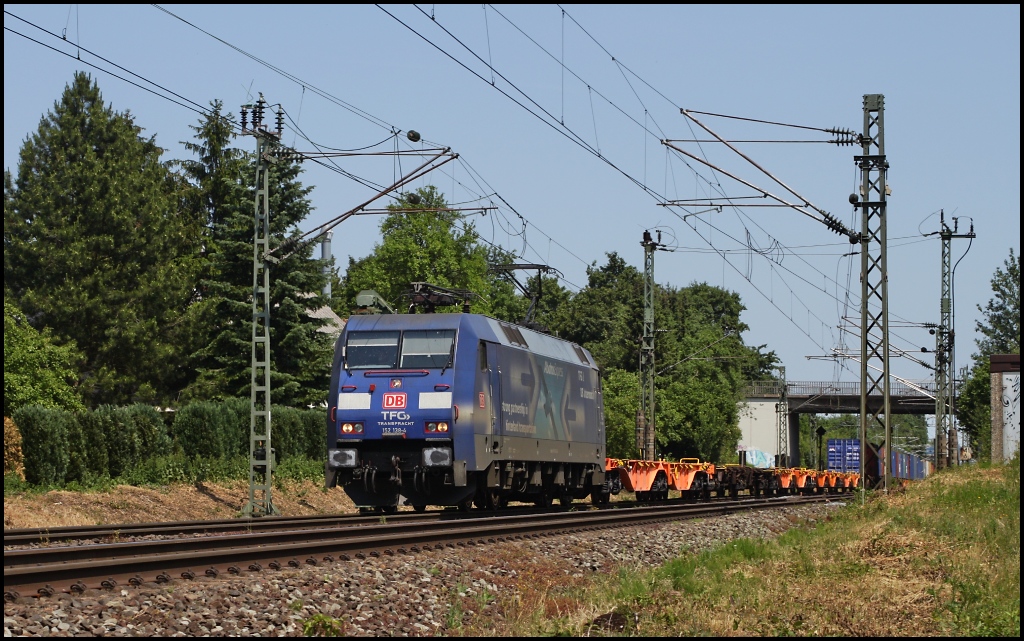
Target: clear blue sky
x,y
950,76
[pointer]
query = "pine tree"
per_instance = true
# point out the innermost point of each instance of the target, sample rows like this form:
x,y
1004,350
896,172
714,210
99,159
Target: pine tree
x,y
99,247
1000,330
225,178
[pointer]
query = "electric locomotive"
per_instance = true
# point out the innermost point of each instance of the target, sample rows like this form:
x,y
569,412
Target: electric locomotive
x,y
457,409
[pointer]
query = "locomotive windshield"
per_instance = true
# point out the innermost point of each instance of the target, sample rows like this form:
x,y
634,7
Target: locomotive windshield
x,y
429,349
372,349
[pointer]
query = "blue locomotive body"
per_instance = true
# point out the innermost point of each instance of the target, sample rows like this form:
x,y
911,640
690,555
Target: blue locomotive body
x,y
455,409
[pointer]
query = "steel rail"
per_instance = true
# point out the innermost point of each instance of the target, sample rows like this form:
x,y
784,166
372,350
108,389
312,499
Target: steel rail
x,y
77,568
114,532
26,536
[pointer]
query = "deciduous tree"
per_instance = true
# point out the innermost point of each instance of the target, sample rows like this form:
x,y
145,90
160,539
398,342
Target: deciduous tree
x,y
424,241
37,371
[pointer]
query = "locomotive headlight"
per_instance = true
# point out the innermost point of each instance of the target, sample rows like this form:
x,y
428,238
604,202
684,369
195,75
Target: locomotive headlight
x,y
437,456
431,427
351,428
442,427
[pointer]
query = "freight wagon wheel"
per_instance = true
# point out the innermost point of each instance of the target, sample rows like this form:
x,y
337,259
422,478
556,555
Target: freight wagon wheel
x,y
564,498
419,508
543,500
659,489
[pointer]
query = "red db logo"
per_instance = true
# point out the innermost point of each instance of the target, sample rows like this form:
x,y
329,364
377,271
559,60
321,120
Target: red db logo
x,y
394,401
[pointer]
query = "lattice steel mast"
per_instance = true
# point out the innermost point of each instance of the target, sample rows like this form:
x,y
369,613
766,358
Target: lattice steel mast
x,y
260,451
946,447
645,416
782,421
874,279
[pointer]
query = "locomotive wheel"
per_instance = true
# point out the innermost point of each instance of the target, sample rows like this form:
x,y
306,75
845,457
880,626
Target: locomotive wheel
x,y
489,499
495,501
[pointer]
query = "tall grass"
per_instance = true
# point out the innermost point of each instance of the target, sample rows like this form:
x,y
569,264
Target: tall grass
x,y
943,558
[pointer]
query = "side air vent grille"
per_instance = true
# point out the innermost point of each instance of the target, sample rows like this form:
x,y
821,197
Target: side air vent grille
x,y
514,336
581,355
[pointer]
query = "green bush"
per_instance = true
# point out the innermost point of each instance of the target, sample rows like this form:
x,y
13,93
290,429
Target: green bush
x,y
315,424
78,450
239,411
44,443
288,433
207,441
179,468
204,430
300,468
124,446
13,484
154,439
91,426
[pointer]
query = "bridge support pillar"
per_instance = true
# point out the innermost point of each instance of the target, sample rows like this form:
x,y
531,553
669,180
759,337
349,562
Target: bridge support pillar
x,y
794,439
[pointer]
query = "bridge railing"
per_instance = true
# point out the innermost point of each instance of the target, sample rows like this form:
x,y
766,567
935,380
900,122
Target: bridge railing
x,y
773,389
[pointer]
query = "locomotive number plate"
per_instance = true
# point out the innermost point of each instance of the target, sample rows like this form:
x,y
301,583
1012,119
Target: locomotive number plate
x,y
393,431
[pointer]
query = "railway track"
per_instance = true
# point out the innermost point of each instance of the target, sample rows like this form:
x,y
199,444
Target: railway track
x,y
295,543
112,533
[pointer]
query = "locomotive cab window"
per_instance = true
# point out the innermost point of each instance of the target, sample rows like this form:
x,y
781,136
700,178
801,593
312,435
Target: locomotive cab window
x,y
372,349
431,348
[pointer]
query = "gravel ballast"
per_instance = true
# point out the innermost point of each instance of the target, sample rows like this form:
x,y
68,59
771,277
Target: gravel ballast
x,y
417,594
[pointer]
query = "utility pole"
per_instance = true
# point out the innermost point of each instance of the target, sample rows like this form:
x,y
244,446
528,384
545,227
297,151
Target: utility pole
x,y
261,454
874,281
645,417
946,448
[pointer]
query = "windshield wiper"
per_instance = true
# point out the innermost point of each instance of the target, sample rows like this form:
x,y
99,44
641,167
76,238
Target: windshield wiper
x,y
451,358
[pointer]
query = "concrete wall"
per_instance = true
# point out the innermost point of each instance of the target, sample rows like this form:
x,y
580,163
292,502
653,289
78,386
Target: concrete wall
x,y
1005,399
758,426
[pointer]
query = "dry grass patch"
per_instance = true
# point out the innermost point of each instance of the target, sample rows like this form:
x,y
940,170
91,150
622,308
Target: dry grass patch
x,y
179,502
